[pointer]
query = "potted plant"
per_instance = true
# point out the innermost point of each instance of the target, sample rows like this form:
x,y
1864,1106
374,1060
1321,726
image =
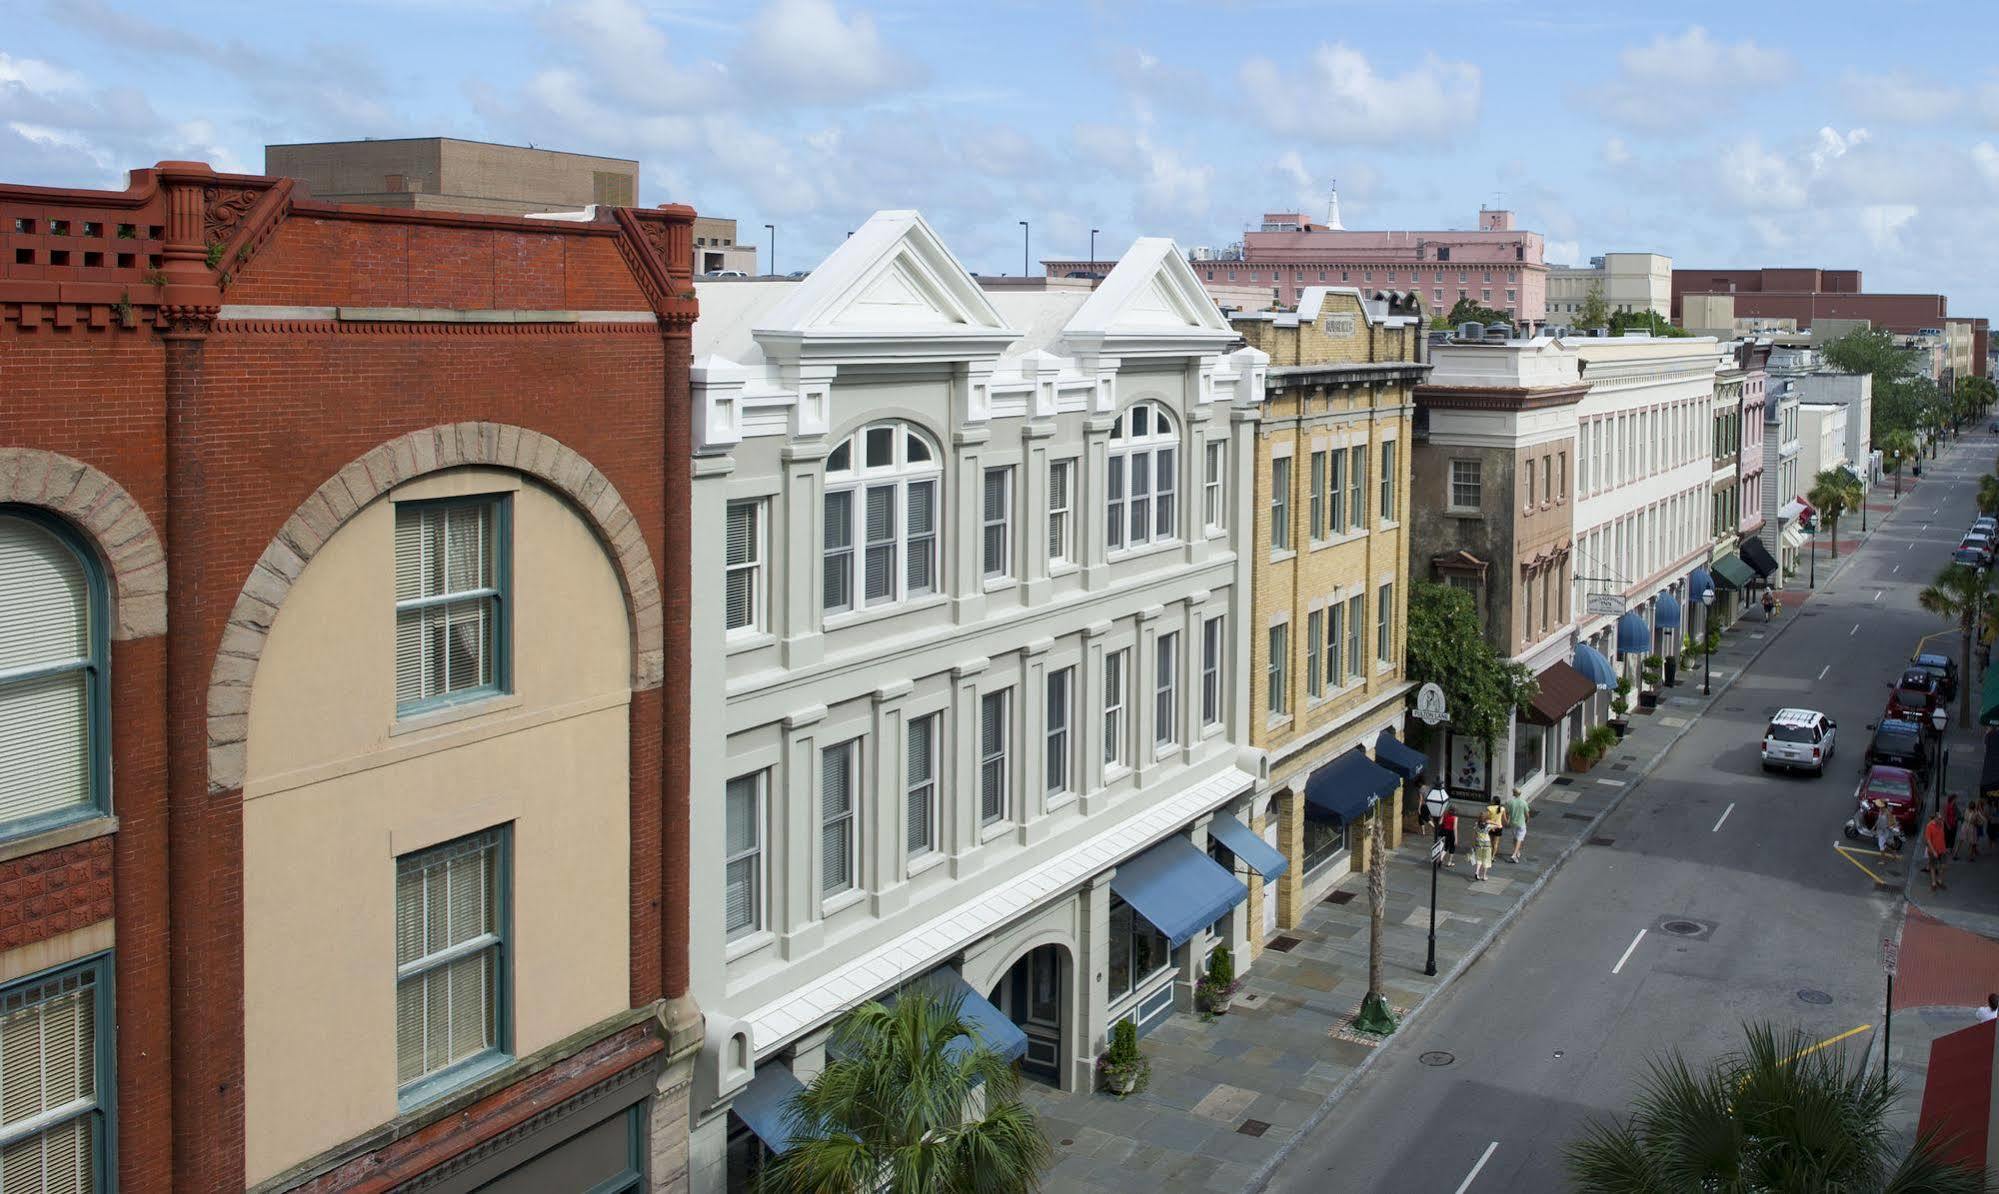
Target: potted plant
x,y
1602,739
1583,754
1123,1068
1218,986
1620,704
1649,671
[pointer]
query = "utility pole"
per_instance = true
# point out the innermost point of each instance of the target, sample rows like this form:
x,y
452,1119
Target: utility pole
x,y
1023,248
772,229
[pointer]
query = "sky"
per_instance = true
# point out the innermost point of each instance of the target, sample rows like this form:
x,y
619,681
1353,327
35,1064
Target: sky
x,y
1839,133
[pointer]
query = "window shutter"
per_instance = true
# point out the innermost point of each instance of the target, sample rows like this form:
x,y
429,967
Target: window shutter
x,y
742,532
45,749
44,598
835,797
409,554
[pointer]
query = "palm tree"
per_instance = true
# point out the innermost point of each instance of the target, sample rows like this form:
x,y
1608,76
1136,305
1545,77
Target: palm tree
x,y
1834,492
1898,447
1963,593
1776,1116
1988,493
897,1108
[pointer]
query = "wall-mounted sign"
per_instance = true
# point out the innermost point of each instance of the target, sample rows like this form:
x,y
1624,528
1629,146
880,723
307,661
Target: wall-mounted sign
x,y
1604,603
1430,705
1340,325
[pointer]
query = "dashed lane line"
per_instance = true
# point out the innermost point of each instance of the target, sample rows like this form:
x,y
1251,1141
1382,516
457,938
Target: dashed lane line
x,y
1482,1159
1627,951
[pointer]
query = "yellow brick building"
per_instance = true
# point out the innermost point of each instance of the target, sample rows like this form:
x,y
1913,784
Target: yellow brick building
x,y
1330,569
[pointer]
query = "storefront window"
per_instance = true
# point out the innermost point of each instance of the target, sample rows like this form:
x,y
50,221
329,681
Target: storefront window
x,y
1530,748
1138,951
1324,841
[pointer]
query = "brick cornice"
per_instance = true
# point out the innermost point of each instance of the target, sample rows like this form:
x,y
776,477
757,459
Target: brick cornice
x,y
1499,397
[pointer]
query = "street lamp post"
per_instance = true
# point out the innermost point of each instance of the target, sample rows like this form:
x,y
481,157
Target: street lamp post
x,y
1093,250
1815,556
1939,719
1707,654
1023,248
772,229
1435,804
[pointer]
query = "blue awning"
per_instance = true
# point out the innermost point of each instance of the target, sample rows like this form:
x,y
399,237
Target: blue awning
x,y
1634,637
1404,761
1666,611
1590,662
1261,856
1346,788
765,1105
996,1032
1177,888
1698,582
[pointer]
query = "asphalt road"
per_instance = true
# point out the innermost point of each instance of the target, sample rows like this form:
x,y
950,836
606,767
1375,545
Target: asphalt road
x,y
1557,1021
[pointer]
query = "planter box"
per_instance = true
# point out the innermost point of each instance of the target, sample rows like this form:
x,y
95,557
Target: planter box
x,y
1580,764
1621,728
1648,700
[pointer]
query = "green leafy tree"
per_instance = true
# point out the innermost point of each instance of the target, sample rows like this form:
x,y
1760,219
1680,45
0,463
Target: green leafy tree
x,y
1446,647
1988,494
1650,322
1898,447
1778,1116
1964,595
1834,492
1872,351
1466,311
896,1109
1595,313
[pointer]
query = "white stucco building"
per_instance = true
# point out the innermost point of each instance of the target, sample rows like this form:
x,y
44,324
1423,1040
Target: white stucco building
x,y
1784,482
1629,282
1821,439
978,719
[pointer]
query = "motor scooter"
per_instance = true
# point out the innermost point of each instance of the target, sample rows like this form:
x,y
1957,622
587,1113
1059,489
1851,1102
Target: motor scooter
x,y
1861,825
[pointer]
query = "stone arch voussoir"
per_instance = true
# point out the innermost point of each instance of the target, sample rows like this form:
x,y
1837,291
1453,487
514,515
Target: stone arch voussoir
x,y
135,563
453,445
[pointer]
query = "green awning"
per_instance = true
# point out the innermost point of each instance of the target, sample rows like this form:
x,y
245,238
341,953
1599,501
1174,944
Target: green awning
x,y
1988,699
1731,573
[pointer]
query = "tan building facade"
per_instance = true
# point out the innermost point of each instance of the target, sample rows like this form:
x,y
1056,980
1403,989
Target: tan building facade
x,y
447,174
1330,566
1628,282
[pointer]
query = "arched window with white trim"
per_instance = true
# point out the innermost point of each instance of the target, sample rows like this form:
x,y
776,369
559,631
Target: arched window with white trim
x,y
52,652
1143,485
882,511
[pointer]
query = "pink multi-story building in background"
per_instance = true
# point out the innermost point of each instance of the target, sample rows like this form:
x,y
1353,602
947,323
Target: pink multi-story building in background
x,y
1495,265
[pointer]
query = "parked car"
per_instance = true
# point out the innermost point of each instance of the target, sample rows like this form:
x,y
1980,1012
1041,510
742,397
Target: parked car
x,y
1985,526
725,273
1897,787
1799,739
1944,668
1898,743
1978,543
1970,557
1914,695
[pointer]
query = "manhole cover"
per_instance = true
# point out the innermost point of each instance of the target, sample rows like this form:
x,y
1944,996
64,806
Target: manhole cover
x,y
1620,766
1282,945
1437,1057
1253,1127
1600,840
1818,997
1681,928
1564,781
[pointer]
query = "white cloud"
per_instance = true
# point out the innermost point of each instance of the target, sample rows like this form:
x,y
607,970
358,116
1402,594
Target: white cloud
x,y
630,56
1761,179
1616,152
1900,97
1339,97
802,50
1656,83
36,75
1832,146
1562,252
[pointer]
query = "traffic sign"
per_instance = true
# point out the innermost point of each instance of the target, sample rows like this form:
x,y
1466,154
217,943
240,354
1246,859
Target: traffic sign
x,y
1890,956
1436,849
1430,705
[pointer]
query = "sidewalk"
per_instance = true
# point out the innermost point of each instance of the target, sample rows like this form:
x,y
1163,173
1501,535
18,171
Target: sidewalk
x,y
1230,1094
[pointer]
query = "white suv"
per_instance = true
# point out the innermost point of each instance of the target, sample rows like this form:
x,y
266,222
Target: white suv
x,y
1800,739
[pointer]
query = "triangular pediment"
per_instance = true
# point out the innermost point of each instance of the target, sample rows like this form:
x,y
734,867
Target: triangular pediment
x,y
892,278
1152,292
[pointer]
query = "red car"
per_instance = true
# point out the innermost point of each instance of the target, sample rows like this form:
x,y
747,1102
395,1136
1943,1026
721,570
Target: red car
x,y
1914,696
1893,788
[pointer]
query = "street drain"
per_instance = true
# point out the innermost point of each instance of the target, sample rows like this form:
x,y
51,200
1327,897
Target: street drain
x,y
1731,708
1600,840
1253,1127
1564,781
1340,897
1437,1057
1282,945
1577,817
1681,928
1620,766
1818,997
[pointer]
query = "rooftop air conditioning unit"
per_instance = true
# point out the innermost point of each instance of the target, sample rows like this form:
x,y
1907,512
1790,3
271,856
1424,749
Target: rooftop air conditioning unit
x,y
1471,333
1498,331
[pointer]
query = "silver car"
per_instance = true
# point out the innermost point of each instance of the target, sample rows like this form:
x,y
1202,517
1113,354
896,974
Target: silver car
x,y
1799,740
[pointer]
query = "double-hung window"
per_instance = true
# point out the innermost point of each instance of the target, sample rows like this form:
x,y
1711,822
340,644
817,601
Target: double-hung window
x,y
1277,670
1356,626
881,514
919,786
1061,688
1166,690
1211,672
993,718
1117,669
1357,482
451,962
996,525
451,608
1335,642
838,847
1314,687
1213,509
1280,504
1317,500
1337,497
743,597
1061,509
1384,621
1388,480
1467,485
1144,478
54,727
56,1059
742,856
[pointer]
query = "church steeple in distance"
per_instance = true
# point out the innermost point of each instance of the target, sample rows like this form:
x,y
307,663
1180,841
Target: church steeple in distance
x,y
1333,209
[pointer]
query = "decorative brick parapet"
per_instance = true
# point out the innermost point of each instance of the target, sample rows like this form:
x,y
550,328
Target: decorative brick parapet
x,y
124,537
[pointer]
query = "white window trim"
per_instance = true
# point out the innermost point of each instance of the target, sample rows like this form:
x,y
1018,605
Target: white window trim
x,y
1065,678
857,480
1002,756
1166,692
1062,543
1214,485
1212,670
930,726
1004,574
1160,478
1117,728
829,900
758,625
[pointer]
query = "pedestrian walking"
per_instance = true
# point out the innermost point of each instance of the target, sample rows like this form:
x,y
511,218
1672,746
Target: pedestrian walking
x,y
1489,827
1769,605
1517,813
1953,817
1934,851
1972,833
1447,829
1991,1009
1884,828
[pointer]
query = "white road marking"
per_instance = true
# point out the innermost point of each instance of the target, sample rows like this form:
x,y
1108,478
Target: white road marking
x,y
1877,594
1627,951
1854,631
1724,817
1482,1159
1827,667
1896,568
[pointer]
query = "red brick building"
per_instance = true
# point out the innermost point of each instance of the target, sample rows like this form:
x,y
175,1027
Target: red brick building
x,y
343,651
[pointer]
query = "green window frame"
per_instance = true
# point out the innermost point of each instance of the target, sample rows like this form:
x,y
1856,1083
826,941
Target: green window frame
x,y
70,1122
40,679
453,601
453,927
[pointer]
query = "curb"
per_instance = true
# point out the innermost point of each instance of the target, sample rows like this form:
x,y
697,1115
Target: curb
x,y
1261,1179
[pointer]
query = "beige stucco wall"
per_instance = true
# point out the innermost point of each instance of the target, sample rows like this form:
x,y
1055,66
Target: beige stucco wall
x,y
334,794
